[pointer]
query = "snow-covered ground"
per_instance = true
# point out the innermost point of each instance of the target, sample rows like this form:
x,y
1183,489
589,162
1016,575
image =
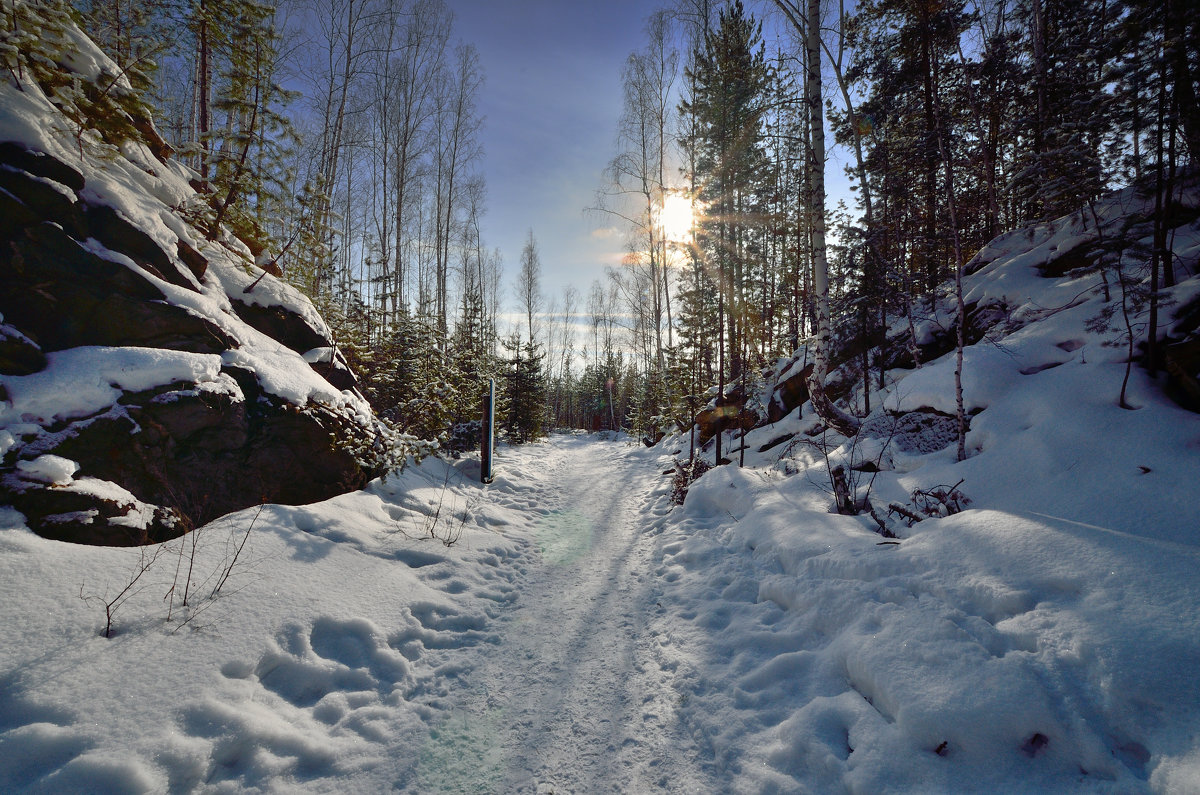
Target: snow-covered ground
x,y
352,649
581,636
567,629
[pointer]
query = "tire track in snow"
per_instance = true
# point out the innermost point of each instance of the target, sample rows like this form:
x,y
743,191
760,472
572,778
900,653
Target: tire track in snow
x,y
571,699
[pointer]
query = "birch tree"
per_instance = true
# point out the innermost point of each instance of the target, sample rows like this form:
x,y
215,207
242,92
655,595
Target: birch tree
x,y
808,22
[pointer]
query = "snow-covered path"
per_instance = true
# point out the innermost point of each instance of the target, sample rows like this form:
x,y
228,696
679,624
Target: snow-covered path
x,y
357,651
564,631
569,698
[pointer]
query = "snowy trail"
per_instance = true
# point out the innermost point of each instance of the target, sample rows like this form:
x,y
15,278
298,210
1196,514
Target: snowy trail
x,y
570,699
581,637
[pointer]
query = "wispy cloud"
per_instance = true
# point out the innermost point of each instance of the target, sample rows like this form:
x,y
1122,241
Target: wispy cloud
x,y
607,233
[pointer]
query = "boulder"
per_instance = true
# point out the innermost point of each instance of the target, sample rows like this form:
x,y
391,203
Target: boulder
x,y
205,454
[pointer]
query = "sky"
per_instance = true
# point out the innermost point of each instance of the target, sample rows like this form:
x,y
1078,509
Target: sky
x,y
551,103
552,100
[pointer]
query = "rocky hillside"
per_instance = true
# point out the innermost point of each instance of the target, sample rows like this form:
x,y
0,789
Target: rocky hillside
x,y
1054,311
152,377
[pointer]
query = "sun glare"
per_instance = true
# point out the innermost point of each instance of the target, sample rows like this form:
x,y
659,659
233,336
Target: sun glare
x,y
676,218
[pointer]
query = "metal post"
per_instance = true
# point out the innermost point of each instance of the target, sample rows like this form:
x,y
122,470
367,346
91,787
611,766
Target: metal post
x,y
489,434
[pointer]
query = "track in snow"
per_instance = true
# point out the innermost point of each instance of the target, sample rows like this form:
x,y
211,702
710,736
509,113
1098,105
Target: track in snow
x,y
570,698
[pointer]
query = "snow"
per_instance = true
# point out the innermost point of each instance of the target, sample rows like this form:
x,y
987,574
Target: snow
x,y
565,629
79,382
278,374
319,355
138,515
51,469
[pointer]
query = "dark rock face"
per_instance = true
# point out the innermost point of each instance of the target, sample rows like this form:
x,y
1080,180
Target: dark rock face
x,y
206,454
62,296
118,234
157,461
1182,361
336,372
724,415
39,164
278,323
788,395
19,355
82,518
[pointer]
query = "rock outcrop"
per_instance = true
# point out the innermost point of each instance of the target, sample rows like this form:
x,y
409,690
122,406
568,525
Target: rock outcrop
x,y
152,377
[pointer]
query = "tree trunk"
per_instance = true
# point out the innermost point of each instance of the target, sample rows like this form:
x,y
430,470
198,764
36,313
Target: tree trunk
x,y
829,413
204,93
961,310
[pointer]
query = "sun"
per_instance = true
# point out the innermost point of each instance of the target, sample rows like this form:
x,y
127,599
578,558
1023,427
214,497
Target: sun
x,y
676,218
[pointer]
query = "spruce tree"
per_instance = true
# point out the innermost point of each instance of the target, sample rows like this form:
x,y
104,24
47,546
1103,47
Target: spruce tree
x,y
524,391
250,154
1067,106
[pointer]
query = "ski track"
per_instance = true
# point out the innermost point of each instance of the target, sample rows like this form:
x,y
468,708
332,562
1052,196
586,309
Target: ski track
x,y
570,698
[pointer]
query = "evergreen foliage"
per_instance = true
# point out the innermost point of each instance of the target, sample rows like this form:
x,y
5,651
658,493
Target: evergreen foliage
x,y
102,99
524,417
729,82
249,158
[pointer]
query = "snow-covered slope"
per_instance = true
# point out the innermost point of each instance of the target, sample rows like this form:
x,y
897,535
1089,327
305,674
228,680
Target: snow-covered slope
x,y
160,360
1046,638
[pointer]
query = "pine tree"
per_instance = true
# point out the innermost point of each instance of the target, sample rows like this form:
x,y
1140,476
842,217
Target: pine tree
x,y
38,45
1060,166
729,84
250,155
135,33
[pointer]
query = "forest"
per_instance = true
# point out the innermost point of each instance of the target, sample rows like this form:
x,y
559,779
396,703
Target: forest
x,y
340,140
924,274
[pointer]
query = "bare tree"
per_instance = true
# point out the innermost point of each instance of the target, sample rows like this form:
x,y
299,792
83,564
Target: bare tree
x,y
456,149
415,67
529,289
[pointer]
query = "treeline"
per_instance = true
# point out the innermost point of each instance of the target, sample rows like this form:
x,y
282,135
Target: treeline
x,y
956,121
340,139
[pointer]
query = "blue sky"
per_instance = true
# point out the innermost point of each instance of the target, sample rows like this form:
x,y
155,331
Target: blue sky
x,y
552,100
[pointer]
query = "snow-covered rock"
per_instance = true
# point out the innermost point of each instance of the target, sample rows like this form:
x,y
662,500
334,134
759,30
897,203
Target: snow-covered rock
x,y
160,359
52,469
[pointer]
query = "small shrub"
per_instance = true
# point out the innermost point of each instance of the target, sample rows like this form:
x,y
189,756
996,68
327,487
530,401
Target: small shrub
x,y
686,473
938,501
